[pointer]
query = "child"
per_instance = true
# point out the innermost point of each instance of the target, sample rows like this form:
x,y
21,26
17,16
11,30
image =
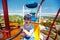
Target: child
x,y
28,28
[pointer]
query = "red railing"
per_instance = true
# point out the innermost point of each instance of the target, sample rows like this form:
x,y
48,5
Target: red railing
x,y
51,27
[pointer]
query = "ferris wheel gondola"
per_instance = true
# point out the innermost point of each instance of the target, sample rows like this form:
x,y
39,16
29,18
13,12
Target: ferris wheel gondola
x,y
32,5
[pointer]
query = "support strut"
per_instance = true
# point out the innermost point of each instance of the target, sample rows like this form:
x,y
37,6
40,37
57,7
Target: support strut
x,y
51,27
6,18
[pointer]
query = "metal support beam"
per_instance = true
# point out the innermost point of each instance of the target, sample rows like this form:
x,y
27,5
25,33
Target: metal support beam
x,y
5,11
6,32
51,27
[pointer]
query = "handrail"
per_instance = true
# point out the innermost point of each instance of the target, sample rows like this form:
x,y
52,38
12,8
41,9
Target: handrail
x,y
12,37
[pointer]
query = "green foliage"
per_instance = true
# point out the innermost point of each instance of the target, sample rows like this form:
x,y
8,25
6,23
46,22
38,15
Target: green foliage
x,y
58,20
14,18
48,24
59,32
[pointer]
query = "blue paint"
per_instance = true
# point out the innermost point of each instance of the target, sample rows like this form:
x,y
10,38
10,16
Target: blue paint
x,y
32,5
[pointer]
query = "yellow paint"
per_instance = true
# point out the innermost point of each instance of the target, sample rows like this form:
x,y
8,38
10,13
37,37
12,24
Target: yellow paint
x,y
36,31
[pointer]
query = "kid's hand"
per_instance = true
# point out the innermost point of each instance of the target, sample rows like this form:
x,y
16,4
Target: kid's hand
x,y
21,27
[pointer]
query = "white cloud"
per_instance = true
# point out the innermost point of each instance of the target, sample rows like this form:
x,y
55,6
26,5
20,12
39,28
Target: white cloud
x,y
21,14
12,10
47,14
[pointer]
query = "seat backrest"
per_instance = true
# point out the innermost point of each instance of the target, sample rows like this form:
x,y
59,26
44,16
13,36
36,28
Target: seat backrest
x,y
36,31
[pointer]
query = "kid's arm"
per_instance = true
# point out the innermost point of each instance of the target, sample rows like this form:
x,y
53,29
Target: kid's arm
x,y
28,33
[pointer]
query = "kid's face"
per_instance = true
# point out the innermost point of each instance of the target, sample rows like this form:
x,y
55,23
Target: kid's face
x,y
27,22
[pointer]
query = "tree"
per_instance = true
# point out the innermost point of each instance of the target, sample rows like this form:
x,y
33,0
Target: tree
x,y
47,24
59,32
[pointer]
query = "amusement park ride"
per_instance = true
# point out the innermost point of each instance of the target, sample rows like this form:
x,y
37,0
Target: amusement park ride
x,y
15,33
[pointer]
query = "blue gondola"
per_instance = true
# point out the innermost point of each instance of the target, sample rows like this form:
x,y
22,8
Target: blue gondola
x,y
32,5
33,17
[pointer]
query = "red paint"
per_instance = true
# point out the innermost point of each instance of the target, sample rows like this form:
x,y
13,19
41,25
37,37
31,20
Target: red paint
x,y
6,18
40,5
51,27
6,33
5,11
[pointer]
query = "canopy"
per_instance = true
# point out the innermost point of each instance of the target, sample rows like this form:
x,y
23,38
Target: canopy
x,y
32,5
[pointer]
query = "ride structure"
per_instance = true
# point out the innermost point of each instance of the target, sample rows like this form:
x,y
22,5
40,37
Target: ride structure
x,y
36,25
8,33
34,18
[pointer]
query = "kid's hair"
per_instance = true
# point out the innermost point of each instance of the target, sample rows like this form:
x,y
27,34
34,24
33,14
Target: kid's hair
x,y
27,17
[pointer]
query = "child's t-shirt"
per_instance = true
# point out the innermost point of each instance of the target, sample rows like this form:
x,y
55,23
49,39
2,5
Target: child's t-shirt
x,y
30,27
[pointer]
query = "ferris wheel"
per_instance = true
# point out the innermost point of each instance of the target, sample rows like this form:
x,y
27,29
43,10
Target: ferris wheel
x,y
31,5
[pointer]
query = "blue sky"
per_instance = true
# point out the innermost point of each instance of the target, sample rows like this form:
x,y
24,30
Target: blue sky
x,y
15,6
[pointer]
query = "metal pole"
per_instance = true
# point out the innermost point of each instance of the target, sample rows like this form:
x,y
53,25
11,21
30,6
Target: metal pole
x,y
40,5
5,10
39,8
6,18
51,27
